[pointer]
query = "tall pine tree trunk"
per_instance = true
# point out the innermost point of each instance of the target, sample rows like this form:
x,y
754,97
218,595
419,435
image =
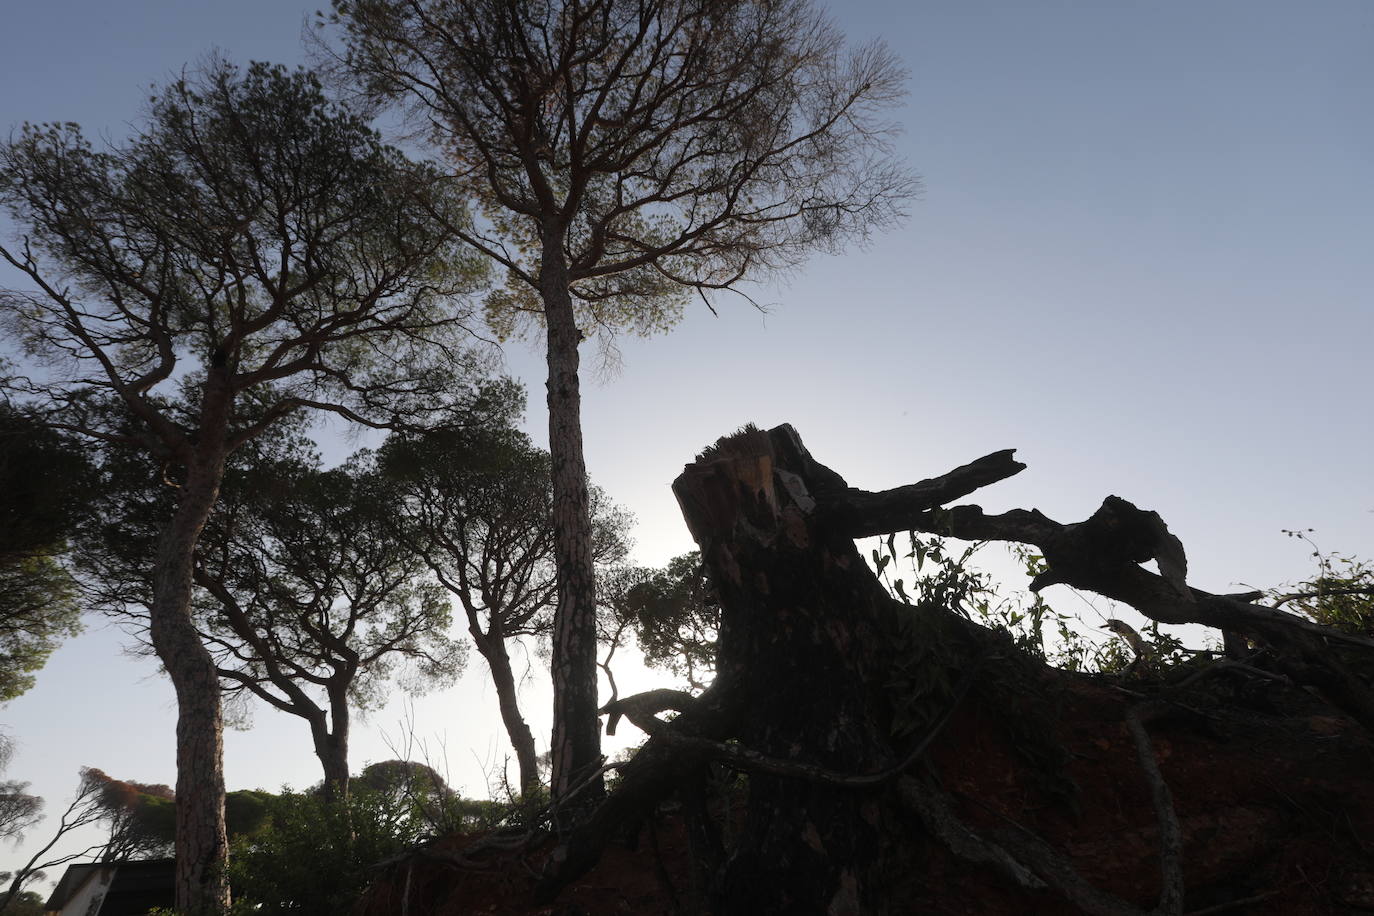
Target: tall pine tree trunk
x,y
202,886
576,729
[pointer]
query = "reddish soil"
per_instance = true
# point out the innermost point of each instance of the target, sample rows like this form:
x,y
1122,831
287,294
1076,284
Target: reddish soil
x,y
1275,795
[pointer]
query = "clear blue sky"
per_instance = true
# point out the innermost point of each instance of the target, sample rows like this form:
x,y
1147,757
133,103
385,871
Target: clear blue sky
x,y
1144,257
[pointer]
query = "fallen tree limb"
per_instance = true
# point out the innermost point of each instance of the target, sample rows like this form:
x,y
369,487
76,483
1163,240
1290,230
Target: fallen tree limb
x,y
938,817
863,514
1032,863
1087,558
641,709
1102,555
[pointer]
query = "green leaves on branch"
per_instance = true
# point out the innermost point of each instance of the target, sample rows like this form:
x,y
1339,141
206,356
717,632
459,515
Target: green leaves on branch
x,y
1340,595
672,613
644,160
250,225
314,857
45,480
309,581
947,578
38,609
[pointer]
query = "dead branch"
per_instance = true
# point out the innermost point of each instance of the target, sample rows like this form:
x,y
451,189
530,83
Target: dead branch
x,y
938,817
1170,835
1102,554
640,709
863,514
1043,865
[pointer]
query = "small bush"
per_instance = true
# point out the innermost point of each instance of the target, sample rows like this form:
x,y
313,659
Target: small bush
x,y
316,857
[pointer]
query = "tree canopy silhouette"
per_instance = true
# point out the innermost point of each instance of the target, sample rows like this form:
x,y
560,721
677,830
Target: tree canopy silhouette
x,y
629,155
478,506
251,251
45,479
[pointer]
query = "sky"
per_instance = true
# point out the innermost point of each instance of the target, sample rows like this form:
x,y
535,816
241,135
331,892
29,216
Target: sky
x,y
1143,257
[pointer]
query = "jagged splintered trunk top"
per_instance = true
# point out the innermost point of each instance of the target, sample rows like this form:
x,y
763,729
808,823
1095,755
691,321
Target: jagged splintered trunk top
x,y
803,653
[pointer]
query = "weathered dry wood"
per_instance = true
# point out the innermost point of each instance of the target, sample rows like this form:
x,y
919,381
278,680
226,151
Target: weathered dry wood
x,y
803,651
1170,834
863,514
937,815
1102,555
1088,556
642,709
1033,864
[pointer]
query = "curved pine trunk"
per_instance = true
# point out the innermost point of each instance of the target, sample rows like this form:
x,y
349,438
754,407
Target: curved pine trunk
x,y
576,729
331,747
202,886
521,738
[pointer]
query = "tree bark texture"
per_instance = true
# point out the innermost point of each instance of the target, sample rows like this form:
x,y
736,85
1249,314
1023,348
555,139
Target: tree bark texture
x,y
801,643
201,844
331,745
493,649
803,655
202,848
576,747
329,728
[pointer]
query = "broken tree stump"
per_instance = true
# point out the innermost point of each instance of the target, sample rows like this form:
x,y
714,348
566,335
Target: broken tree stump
x,y
832,698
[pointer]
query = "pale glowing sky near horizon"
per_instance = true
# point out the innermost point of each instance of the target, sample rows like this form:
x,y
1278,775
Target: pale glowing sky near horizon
x,y
1144,257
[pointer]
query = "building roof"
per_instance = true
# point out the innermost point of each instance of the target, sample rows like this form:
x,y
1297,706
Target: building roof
x,y
134,887
72,880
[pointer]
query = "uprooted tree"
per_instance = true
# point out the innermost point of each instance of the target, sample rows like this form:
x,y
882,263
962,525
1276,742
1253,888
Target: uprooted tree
x,y
881,738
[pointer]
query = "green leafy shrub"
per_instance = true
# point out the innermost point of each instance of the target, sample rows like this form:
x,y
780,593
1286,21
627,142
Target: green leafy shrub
x,y
315,857
945,576
302,854
1340,595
